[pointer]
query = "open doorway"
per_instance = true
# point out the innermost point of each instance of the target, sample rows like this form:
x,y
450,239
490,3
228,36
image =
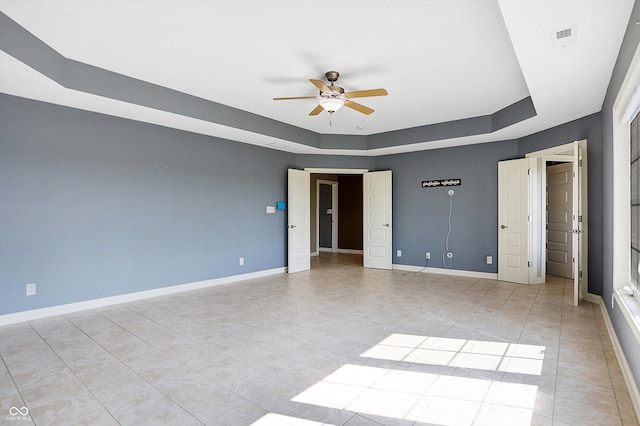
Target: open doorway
x,y
574,153
326,212
522,212
375,212
559,212
336,213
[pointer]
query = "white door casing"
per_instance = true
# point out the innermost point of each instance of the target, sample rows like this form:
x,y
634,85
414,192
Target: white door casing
x,y
559,222
334,213
579,213
575,240
298,227
513,223
377,224
583,223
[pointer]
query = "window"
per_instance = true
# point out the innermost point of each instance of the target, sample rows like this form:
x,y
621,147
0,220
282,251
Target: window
x,y
634,190
626,197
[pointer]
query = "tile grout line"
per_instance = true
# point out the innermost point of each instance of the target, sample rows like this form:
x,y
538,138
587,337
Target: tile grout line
x,y
70,369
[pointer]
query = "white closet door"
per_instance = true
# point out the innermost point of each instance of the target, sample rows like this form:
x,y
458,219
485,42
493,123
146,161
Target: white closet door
x,y
513,222
377,219
298,227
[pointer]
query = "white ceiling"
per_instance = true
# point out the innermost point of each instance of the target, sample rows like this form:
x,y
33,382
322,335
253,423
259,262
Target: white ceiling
x,y
440,60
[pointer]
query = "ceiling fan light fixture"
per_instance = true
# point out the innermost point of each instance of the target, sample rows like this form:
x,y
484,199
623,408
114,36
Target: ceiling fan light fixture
x,y
331,104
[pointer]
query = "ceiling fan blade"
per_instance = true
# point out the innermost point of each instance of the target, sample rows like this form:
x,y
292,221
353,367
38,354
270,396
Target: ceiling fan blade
x,y
320,85
366,93
358,107
294,97
317,110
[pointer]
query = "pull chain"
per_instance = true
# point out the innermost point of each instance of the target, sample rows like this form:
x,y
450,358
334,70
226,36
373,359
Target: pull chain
x,y
330,117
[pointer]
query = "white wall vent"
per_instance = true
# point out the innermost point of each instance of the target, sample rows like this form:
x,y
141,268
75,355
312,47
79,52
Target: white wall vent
x,y
563,33
564,37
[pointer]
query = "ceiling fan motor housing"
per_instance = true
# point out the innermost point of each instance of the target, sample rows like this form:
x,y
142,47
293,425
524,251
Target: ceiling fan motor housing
x,y
336,91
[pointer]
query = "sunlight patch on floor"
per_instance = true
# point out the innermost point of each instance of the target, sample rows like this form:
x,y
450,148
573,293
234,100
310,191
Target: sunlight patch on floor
x,y
478,354
423,397
272,419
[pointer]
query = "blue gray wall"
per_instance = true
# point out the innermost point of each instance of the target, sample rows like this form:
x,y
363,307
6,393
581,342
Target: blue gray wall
x,y
420,215
627,339
95,206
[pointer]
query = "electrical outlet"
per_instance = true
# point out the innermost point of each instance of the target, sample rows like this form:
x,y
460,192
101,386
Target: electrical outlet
x,y
241,261
489,260
427,255
399,253
31,289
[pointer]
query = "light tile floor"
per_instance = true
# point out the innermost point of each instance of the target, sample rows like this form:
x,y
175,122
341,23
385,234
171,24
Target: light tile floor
x,y
337,345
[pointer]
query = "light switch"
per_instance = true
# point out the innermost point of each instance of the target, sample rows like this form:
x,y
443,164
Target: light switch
x,y
271,209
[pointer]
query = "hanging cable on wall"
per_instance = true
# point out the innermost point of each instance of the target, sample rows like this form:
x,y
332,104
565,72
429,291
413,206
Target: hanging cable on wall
x,y
447,255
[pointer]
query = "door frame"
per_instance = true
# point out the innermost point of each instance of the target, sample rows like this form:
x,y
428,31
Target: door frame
x,y
334,213
566,153
330,171
336,171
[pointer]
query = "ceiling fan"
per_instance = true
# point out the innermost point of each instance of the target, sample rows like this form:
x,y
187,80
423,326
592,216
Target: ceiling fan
x,y
333,97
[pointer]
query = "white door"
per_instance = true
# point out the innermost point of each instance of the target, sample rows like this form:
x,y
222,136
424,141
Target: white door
x,y
299,213
513,221
377,219
560,220
579,210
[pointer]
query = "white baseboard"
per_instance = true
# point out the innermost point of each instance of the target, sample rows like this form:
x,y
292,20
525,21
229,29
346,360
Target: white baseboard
x,y
632,387
593,298
444,271
350,251
129,297
328,250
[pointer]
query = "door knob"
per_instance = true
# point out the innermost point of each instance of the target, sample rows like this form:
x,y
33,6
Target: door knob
x,y
503,226
386,224
292,226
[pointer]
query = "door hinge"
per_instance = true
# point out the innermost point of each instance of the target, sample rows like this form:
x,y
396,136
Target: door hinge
x,y
580,274
528,171
528,218
579,218
529,264
573,260
580,162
